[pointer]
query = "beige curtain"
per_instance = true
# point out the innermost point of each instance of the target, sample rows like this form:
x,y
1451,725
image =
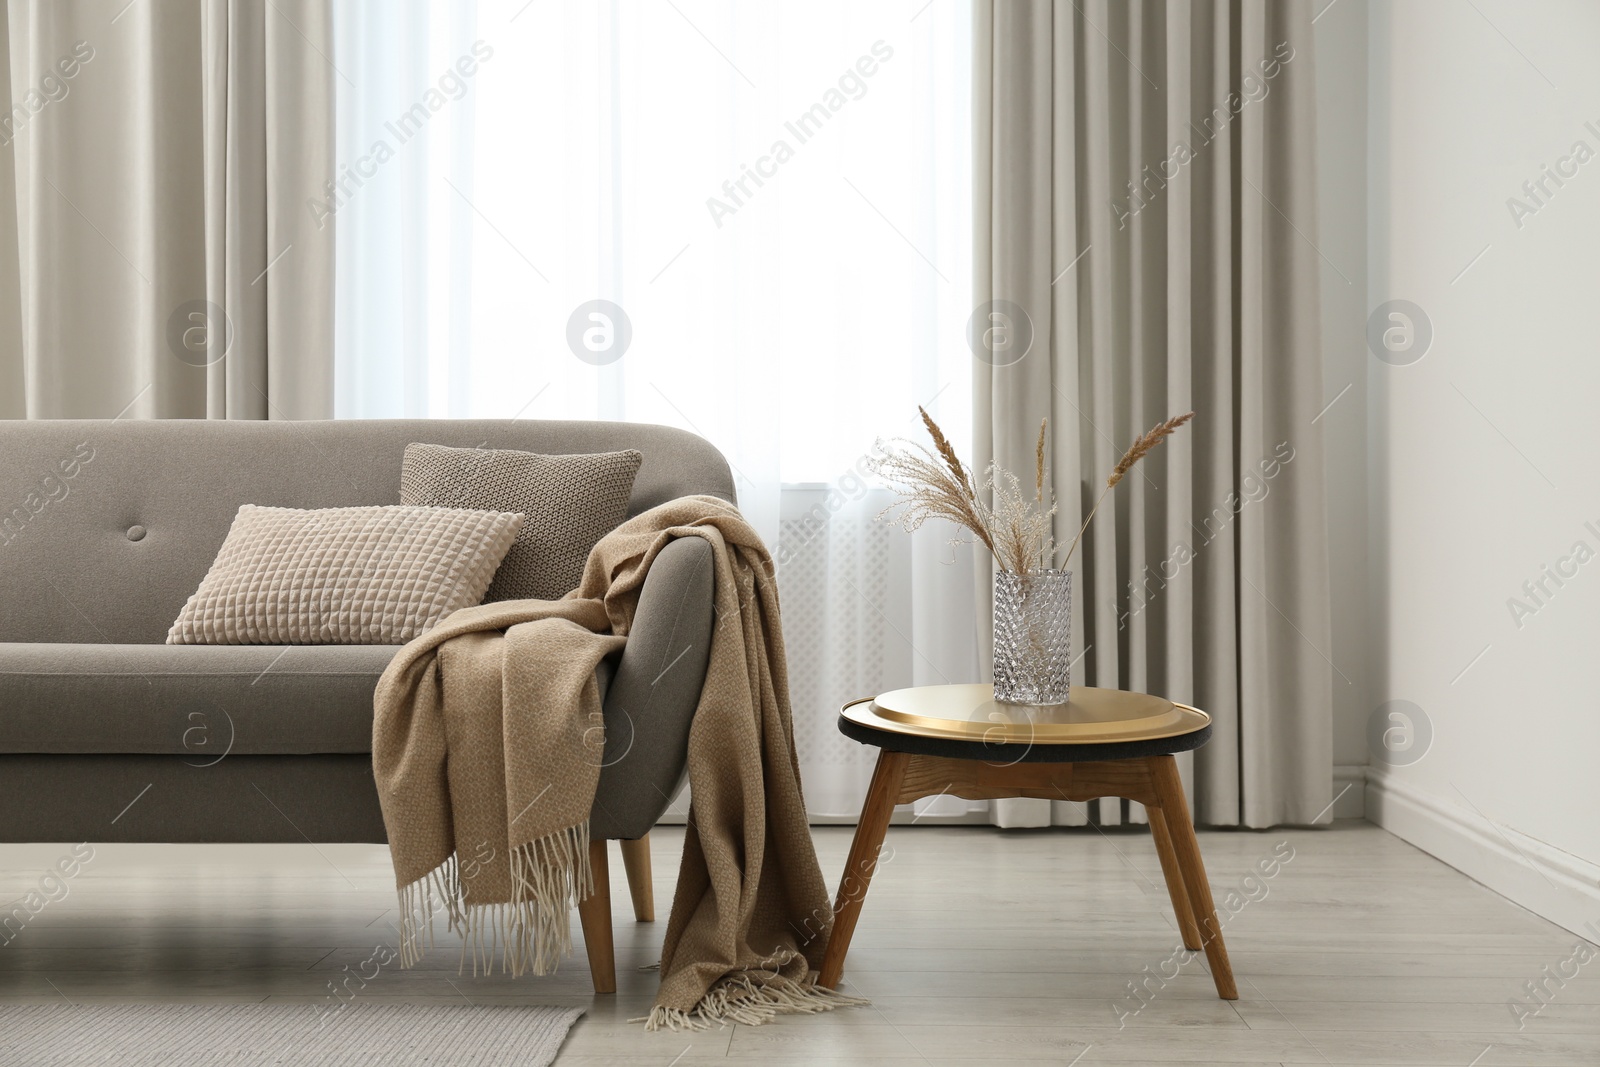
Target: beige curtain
x,y
13,382
1145,203
161,156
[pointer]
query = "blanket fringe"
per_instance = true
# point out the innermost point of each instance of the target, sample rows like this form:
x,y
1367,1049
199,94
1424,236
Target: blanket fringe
x,y
738,999
531,931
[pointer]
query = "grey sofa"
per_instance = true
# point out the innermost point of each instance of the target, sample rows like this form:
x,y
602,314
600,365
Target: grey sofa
x,y
108,734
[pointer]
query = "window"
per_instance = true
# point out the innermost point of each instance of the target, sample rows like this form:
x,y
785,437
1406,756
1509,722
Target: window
x,y
776,196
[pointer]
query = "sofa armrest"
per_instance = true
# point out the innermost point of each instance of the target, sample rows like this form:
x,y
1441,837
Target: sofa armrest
x,y
654,691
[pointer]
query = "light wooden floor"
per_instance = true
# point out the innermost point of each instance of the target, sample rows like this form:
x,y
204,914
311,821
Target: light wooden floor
x,y
976,946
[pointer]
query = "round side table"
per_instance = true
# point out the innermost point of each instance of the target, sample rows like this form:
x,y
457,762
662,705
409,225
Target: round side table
x,y
957,740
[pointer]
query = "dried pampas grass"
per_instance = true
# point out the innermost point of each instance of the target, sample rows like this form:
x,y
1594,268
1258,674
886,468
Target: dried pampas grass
x,y
1014,526
932,486
1017,530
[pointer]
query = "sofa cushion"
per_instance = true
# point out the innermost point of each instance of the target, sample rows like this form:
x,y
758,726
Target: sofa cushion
x,y
343,576
198,701
567,503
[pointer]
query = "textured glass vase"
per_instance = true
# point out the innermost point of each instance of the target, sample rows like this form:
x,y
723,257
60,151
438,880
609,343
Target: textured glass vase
x,y
1033,637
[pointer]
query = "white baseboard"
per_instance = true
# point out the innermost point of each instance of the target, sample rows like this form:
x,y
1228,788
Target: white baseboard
x,y
1349,792
1550,883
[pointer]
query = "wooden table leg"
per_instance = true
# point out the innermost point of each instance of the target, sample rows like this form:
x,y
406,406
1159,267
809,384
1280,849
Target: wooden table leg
x,y
1176,889
1175,812
874,823
594,912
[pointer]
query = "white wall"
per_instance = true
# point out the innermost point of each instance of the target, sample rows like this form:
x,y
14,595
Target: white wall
x,y
1483,453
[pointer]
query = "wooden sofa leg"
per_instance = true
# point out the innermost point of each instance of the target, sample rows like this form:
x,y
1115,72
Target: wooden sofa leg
x,y
595,915
636,860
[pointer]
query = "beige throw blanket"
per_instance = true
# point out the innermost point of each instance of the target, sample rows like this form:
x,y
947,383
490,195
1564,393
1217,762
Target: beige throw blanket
x,y
487,748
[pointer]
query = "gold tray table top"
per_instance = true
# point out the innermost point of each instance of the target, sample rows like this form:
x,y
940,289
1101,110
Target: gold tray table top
x,y
970,713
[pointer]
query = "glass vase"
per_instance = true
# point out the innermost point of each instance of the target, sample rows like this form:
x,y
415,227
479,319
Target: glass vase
x,y
1033,637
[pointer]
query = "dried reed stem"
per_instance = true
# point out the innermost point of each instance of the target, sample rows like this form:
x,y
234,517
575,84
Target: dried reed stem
x,y
1137,451
947,451
1140,448
1038,465
1038,481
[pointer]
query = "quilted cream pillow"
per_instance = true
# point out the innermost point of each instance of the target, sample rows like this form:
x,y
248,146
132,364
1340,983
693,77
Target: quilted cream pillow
x,y
343,576
568,504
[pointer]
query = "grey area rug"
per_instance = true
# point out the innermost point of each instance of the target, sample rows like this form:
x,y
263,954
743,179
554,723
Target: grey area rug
x,y
257,1035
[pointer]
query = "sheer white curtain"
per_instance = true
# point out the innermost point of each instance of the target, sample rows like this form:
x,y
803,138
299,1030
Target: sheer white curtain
x,y
775,200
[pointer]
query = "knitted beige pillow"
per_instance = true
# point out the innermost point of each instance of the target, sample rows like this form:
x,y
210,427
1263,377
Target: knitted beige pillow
x,y
568,504
343,576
